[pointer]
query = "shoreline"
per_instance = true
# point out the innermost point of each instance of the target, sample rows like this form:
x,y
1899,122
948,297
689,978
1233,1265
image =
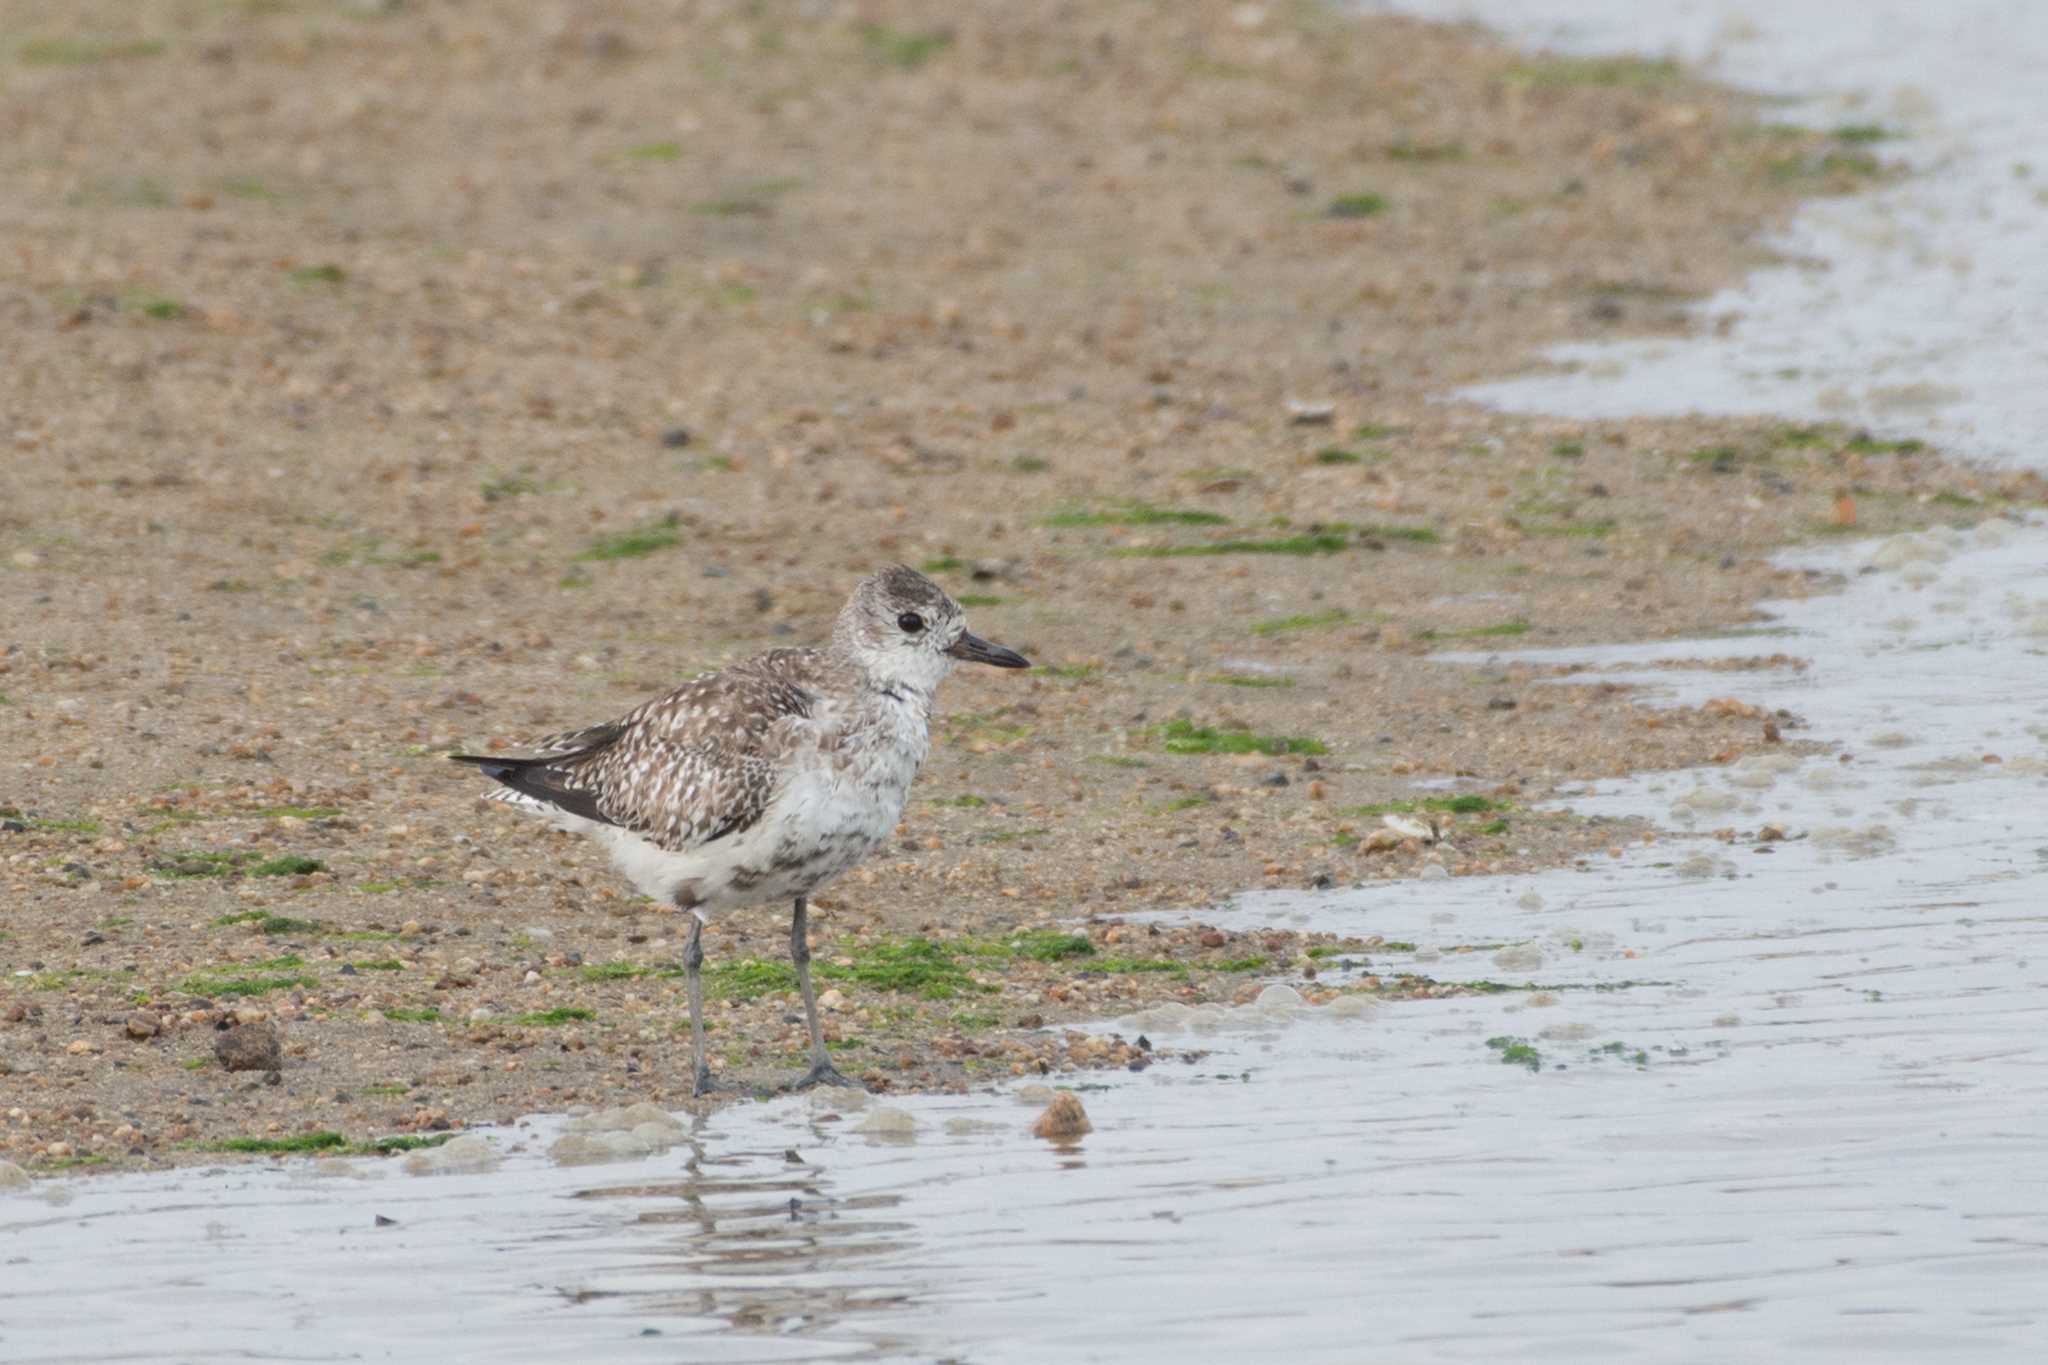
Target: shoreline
x,y
1089,467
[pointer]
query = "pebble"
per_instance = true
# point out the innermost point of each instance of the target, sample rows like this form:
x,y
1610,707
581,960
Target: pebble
x,y
1064,1119
832,1000
249,1047
143,1024
482,1014
12,1177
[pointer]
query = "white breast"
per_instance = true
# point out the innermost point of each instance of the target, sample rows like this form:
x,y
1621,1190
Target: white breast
x,y
839,801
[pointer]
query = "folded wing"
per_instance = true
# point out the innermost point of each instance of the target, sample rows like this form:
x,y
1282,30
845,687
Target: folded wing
x,y
682,770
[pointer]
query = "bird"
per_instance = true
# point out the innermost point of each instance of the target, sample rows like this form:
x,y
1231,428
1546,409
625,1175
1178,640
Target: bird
x,y
765,780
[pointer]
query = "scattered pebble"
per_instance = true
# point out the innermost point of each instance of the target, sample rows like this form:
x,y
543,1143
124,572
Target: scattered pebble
x,y
1063,1120
249,1047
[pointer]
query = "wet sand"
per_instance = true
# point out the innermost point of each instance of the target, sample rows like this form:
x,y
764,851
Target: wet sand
x,y
387,381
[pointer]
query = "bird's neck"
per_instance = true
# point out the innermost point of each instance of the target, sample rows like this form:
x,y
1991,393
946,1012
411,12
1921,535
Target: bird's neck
x,y
902,692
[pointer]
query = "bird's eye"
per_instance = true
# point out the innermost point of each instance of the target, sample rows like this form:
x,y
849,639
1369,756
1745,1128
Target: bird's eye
x,y
911,622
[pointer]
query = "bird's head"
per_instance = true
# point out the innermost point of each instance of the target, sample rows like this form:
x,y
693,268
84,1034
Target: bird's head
x,y
905,631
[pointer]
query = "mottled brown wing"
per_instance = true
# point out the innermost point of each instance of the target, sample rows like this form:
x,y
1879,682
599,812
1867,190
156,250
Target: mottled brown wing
x,y
702,762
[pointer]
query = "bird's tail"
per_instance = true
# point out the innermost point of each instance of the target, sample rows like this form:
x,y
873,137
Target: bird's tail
x,y
542,780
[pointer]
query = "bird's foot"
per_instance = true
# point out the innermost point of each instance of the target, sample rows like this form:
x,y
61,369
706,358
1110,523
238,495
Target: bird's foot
x,y
824,1073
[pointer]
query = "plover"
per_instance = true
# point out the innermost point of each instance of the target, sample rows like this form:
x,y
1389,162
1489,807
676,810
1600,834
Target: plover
x,y
765,780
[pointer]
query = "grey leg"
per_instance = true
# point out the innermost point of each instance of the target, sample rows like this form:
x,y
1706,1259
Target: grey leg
x,y
693,960
822,1071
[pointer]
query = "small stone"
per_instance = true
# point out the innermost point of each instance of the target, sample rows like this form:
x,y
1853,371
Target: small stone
x,y
249,1047
1213,938
58,1149
143,1024
1063,1120
80,1047
1308,414
411,926
832,1000
676,438
12,1177
482,1014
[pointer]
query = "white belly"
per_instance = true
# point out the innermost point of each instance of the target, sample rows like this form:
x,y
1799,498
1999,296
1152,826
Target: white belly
x,y
837,806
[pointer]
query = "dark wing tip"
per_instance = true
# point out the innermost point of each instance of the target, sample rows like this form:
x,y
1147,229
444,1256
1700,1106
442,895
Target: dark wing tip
x,y
534,777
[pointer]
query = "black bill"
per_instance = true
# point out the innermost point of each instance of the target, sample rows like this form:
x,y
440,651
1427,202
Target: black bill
x,y
976,650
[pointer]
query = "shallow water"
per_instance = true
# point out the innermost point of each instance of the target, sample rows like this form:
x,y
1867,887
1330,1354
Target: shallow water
x,y
1914,310
1831,1141
1830,1144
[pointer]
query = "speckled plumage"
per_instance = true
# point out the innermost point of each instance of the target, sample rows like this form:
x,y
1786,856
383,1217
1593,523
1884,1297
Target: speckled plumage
x,y
767,779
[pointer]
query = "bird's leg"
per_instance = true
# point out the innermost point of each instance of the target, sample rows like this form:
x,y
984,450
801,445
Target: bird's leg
x,y
693,961
822,1071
